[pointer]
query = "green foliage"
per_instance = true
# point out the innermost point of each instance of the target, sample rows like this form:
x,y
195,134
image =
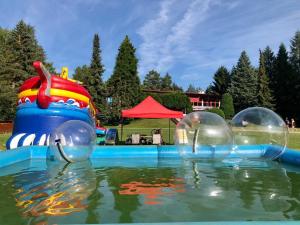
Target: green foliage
x,y
175,101
221,81
166,82
25,48
91,76
227,105
97,69
209,90
217,111
269,65
124,82
192,89
295,53
19,48
243,84
264,95
284,84
152,81
81,72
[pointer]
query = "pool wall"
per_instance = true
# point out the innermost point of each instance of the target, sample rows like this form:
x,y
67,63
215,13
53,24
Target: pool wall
x,y
10,157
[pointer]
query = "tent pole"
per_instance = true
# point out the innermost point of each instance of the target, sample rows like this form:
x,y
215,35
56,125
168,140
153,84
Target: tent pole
x,y
169,132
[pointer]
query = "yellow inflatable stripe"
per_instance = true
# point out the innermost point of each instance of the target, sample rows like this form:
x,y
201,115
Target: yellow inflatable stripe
x,y
27,93
56,92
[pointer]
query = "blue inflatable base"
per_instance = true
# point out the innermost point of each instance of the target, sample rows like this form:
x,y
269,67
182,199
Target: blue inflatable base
x,y
147,152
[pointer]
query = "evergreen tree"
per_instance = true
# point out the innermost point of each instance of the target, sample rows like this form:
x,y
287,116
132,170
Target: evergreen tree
x,y
11,77
124,81
227,105
264,95
191,89
221,81
81,73
176,87
166,82
25,48
97,69
284,84
209,90
295,65
295,53
93,78
152,80
243,84
270,67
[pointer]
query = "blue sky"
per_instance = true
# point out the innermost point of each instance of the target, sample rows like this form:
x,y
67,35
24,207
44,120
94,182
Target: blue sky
x,y
189,39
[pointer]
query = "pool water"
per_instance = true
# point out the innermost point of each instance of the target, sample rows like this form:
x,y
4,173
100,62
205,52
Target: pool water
x,y
147,190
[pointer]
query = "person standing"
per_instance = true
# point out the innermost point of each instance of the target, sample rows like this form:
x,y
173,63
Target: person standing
x,y
293,123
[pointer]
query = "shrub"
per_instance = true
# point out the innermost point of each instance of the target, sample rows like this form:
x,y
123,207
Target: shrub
x,y
227,105
217,111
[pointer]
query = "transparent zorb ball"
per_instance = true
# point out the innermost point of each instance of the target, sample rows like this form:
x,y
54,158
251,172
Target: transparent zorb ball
x,y
203,135
259,131
72,141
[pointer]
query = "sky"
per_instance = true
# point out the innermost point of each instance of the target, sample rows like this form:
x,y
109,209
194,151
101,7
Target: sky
x,y
188,39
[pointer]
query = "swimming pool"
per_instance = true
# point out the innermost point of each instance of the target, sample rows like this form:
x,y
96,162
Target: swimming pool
x,y
155,186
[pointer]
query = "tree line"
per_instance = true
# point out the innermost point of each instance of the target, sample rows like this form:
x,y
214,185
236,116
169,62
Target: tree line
x,y
19,48
275,84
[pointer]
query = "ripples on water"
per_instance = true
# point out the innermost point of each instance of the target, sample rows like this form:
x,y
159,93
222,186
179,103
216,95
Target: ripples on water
x,y
108,192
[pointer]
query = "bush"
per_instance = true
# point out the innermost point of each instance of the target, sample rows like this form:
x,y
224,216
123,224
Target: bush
x,y
217,111
227,105
175,101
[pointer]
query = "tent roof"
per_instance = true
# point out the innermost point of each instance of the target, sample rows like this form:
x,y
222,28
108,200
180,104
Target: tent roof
x,y
149,108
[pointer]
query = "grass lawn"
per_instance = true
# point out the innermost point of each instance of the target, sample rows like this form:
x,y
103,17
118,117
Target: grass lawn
x,y
145,126
3,138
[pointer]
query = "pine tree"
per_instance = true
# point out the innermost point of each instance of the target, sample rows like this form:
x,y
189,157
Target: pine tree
x,y
227,105
264,95
11,77
295,53
284,84
270,67
295,66
97,69
176,87
81,73
152,80
124,82
93,77
25,48
221,81
191,89
166,82
243,84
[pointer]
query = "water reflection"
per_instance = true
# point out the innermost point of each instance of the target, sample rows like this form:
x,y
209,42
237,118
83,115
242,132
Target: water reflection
x,y
199,190
129,185
59,191
265,187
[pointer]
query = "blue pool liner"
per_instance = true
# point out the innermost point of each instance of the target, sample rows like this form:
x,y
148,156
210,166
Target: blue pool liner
x,y
152,152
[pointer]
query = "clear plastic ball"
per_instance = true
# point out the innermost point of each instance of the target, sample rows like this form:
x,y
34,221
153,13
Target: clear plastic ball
x,y
259,129
72,141
203,135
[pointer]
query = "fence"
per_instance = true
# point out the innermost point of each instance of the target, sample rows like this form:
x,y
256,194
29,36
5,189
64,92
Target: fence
x,y
6,127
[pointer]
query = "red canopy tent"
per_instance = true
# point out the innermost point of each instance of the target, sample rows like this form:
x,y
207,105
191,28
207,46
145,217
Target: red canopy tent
x,y
150,108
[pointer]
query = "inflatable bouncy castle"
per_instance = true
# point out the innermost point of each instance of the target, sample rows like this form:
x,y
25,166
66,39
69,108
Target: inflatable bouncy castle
x,y
45,102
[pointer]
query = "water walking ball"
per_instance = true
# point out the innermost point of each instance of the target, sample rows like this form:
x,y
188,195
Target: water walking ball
x,y
203,135
72,141
260,129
